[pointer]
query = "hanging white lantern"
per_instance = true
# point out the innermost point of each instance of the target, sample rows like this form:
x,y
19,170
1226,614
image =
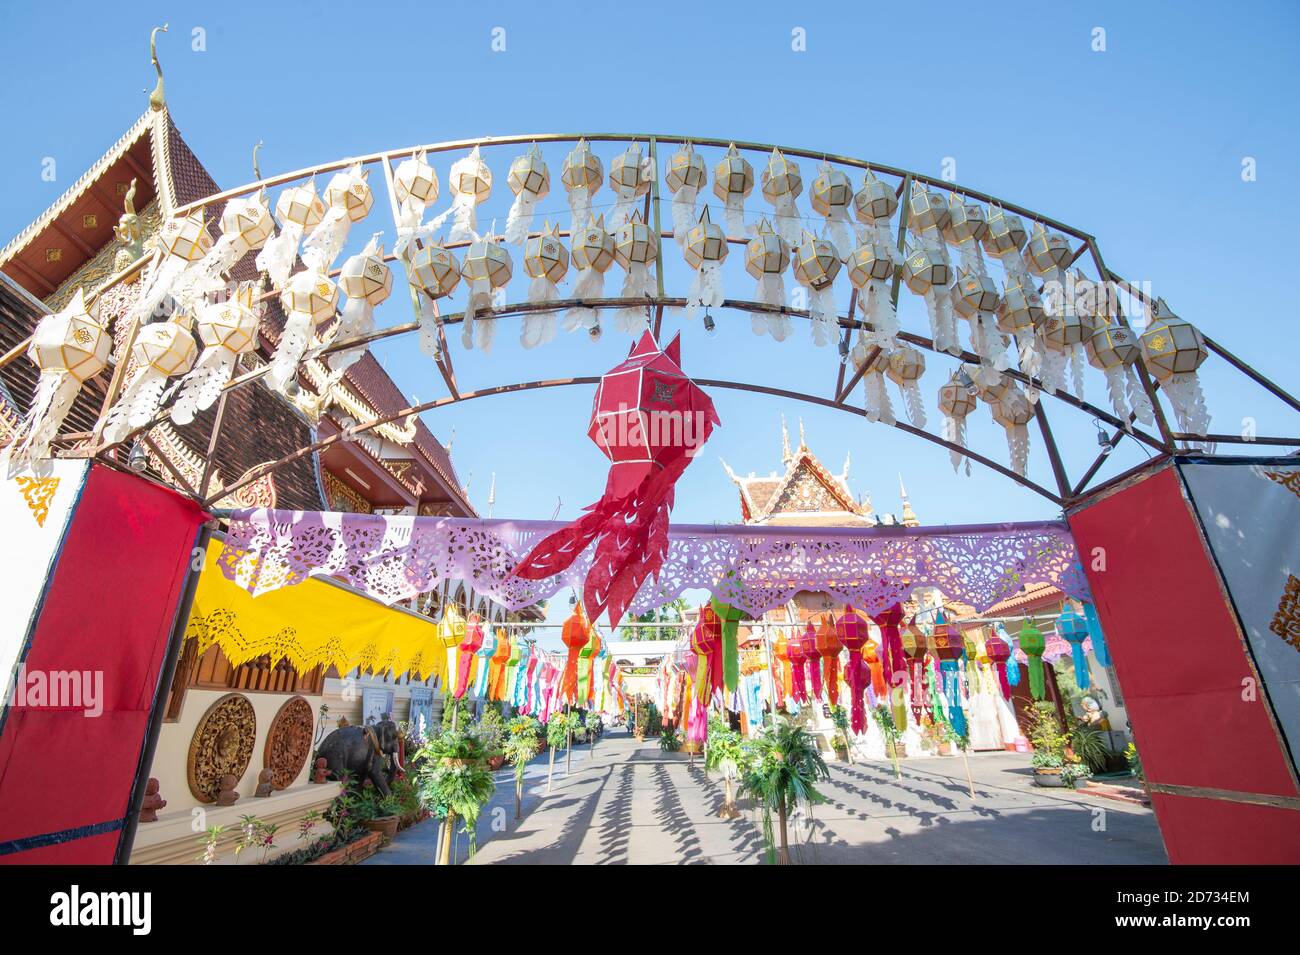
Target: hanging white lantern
x,y
871,270
1173,349
705,250
530,181
926,267
182,242
1064,330
582,174
227,330
1113,350
874,205
733,181
367,281
434,271
68,347
592,255
956,402
831,195
470,182
635,250
486,268
782,185
309,300
685,176
1022,312
905,366
816,263
546,261
630,177
298,210
876,400
1020,315
415,187
1014,412
347,200
767,256
975,298
161,350
246,225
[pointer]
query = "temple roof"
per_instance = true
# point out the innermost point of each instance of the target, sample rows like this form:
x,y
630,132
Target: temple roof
x,y
72,244
808,493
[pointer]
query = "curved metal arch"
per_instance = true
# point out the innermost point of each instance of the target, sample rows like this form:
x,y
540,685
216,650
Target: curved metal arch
x,y
1163,443
349,433
670,138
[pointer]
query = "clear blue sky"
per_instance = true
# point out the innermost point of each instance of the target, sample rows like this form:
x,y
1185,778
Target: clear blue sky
x,y
1141,144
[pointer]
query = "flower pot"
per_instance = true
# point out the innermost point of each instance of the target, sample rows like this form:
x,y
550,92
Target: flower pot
x,y
841,753
386,826
496,762
1048,777
945,749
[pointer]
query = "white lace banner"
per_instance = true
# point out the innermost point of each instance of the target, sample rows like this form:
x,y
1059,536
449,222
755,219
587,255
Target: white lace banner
x,y
752,568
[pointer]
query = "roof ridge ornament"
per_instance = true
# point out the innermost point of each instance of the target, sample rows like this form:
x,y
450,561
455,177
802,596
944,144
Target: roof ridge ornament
x,y
156,98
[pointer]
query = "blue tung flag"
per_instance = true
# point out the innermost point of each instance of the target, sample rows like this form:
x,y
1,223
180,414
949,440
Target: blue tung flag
x,y
1098,638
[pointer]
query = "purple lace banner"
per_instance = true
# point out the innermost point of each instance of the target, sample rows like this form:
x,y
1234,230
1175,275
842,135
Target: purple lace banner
x,y
753,568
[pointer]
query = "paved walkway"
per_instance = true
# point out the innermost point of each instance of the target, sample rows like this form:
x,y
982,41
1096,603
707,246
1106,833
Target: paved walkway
x,y
632,803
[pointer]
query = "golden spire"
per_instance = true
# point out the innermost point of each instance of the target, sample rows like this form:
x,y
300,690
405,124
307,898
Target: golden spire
x,y
156,100
785,443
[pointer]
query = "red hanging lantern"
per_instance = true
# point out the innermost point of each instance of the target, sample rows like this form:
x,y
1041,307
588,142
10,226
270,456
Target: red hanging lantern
x,y
797,649
828,648
496,681
948,644
574,635
851,629
893,658
999,652
706,641
915,649
469,645
649,419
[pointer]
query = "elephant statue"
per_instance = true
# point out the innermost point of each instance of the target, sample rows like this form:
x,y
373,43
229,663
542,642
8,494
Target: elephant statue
x,y
364,752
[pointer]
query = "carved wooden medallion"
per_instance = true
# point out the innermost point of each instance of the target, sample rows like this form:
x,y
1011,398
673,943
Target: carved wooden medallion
x,y
222,745
288,742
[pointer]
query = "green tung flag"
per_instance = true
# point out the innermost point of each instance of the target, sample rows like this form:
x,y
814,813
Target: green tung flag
x,y
730,618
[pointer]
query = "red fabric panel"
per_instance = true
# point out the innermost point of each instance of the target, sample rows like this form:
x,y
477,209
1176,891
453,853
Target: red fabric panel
x,y
1180,660
1210,832
110,607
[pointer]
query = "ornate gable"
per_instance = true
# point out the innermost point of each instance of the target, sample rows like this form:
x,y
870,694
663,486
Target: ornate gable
x,y
805,489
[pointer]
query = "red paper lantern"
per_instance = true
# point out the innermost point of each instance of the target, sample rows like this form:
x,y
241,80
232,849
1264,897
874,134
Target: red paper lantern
x,y
999,652
650,420
851,629
893,659
465,651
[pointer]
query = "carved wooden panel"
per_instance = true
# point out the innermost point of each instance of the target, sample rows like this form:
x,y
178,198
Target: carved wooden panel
x,y
222,745
288,742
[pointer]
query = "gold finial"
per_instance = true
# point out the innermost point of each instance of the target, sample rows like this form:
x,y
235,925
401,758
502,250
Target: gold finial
x,y
257,170
156,100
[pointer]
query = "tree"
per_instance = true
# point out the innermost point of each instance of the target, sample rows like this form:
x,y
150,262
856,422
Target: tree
x,y
521,744
781,774
670,614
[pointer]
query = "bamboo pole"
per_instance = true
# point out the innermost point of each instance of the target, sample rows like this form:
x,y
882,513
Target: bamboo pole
x,y
969,782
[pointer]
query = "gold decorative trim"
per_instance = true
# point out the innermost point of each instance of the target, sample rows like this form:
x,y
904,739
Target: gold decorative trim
x,y
1226,795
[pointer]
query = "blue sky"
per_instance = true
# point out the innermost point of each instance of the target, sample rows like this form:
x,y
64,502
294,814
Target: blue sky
x,y
1141,145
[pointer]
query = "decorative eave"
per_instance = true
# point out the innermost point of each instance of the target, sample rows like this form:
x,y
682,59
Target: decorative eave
x,y
140,127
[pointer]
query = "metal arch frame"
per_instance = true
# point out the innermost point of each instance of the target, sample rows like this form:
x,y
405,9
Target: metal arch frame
x,y
1164,443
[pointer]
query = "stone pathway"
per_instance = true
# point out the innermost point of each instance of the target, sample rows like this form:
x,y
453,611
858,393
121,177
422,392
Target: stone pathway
x,y
632,803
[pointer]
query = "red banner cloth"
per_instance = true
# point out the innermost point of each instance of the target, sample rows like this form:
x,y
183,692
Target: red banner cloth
x,y
1179,656
66,777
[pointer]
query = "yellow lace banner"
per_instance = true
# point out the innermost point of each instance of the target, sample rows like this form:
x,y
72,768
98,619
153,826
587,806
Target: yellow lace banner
x,y
314,623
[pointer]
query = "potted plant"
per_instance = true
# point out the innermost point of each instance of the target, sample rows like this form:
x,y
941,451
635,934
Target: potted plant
x,y
840,740
781,773
557,735
454,782
893,735
490,731
385,814
593,726
726,754
519,746
670,741
1053,763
